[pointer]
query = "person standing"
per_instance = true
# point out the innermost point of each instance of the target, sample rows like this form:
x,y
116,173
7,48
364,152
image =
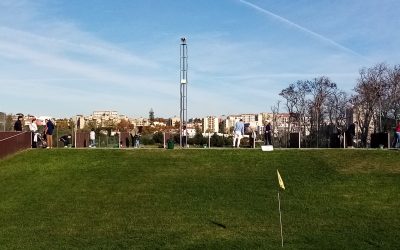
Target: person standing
x,y
267,134
133,134
184,136
49,133
350,133
137,140
33,128
398,135
238,132
92,138
18,124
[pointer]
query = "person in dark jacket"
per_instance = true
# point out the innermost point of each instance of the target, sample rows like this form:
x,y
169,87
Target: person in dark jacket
x,y
49,133
18,124
350,133
267,134
66,140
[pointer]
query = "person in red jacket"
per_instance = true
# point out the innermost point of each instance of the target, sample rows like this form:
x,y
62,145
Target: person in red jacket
x,y
397,130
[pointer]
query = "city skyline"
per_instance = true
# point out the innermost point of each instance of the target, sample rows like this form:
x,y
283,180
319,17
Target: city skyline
x,y
63,58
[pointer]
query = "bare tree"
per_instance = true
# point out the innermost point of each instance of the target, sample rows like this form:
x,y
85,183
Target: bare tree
x,y
320,88
275,111
370,93
394,93
296,104
303,89
290,96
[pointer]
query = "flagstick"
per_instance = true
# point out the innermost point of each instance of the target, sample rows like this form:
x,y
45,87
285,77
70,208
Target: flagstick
x,y
280,217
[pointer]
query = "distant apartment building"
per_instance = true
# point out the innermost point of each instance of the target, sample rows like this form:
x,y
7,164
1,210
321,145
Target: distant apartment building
x,y
253,120
210,124
256,121
173,121
103,118
160,124
140,122
228,123
105,114
79,121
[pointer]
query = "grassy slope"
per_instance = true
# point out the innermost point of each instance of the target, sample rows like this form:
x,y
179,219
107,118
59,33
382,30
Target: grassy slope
x,y
149,199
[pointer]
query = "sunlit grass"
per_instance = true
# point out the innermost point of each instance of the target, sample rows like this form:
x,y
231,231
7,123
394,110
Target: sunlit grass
x,y
199,199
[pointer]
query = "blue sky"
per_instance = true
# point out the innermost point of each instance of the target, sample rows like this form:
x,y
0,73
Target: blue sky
x,y
68,57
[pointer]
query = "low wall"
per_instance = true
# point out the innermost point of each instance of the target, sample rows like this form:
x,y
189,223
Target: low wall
x,y
12,142
82,139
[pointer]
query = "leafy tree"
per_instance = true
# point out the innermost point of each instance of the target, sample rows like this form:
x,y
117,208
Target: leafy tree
x,y
198,138
9,123
147,140
216,140
124,125
148,130
89,125
158,137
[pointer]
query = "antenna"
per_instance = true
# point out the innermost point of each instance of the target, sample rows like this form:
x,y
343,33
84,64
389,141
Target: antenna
x,y
183,92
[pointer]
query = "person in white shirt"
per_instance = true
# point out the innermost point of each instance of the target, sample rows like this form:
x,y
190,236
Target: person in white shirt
x,y
238,133
92,138
33,128
184,137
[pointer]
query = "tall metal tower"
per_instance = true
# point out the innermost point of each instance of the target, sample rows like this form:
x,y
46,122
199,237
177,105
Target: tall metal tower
x,y
183,83
151,116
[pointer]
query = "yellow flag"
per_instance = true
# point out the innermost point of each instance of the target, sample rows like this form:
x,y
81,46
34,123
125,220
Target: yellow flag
x,y
280,180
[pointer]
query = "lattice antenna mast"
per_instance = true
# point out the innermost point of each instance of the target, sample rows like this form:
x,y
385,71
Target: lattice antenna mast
x,y
183,91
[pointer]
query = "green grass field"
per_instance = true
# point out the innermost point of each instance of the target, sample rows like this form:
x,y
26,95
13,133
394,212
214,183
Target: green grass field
x,y
199,199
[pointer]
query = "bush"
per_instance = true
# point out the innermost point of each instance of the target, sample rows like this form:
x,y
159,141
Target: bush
x,y
147,140
158,137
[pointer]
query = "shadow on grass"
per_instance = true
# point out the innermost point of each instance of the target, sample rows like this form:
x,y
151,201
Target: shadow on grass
x,y
217,223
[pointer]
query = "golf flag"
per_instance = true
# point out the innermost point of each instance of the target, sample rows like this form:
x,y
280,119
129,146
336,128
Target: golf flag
x,y
280,180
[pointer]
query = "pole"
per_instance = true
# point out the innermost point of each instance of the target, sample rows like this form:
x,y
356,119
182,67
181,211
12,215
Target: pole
x,y
344,139
164,139
183,90
57,137
75,136
317,130
254,139
380,115
280,217
344,130
299,140
299,130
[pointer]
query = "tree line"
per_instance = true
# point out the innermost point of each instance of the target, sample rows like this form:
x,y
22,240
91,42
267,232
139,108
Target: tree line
x,y
318,105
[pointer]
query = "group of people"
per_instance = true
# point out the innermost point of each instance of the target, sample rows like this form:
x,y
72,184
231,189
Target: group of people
x,y
135,138
238,133
47,133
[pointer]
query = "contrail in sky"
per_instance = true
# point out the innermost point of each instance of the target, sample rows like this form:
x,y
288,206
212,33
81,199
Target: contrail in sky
x,y
284,20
